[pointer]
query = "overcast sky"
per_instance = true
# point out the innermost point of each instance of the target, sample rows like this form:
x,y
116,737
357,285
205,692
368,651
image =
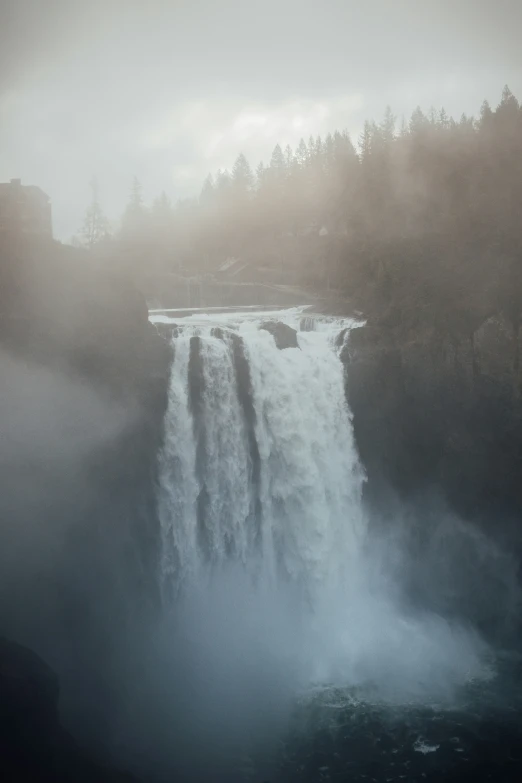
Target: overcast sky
x,y
168,91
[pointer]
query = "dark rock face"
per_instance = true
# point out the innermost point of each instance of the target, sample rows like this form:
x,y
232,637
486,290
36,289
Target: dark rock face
x,y
244,393
284,335
167,330
440,410
33,744
84,391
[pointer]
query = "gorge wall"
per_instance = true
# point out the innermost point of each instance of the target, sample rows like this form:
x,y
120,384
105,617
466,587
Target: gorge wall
x,y
84,392
439,410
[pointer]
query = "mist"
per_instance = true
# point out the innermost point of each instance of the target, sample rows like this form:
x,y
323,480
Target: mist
x,y
62,543
261,383
53,424
229,660
412,609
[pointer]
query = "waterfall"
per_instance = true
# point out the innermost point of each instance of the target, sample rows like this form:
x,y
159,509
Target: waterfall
x,y
266,553
259,464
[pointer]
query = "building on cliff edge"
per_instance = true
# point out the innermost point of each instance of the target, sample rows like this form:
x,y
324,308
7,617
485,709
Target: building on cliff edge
x,y
25,209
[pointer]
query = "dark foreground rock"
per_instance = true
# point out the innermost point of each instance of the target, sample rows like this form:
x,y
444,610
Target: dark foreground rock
x,y
284,335
33,744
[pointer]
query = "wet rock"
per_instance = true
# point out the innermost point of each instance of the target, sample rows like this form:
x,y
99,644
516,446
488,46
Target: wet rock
x,y
439,409
307,323
33,744
167,331
495,350
284,335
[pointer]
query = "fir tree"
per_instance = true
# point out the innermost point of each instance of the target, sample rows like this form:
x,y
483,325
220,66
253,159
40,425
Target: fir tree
x,y
95,225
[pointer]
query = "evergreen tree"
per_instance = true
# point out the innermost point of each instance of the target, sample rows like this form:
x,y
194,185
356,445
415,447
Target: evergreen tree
x,y
223,180
443,120
135,204
466,122
311,149
486,115
302,153
134,217
207,191
242,177
433,117
260,176
95,225
508,103
289,157
365,142
418,121
162,209
387,127
277,161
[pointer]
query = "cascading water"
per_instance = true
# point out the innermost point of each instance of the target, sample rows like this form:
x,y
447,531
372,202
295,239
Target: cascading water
x,y
262,516
262,469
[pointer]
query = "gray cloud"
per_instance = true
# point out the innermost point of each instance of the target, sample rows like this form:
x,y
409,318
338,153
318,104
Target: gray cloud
x,y
170,90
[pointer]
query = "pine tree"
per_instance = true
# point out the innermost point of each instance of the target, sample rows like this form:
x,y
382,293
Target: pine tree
x,y
260,176
377,138
329,153
508,102
95,225
289,157
365,141
301,153
277,161
162,217
443,121
134,216
223,180
486,113
136,196
311,149
418,121
207,191
387,126
242,177
162,209
465,121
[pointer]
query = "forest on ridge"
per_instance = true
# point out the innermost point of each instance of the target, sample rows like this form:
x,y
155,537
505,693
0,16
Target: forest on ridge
x,y
420,221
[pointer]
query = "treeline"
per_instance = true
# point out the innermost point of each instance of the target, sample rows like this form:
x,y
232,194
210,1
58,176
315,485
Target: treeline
x,y
419,219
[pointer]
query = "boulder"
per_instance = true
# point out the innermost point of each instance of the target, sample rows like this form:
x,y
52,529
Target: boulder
x,y
284,335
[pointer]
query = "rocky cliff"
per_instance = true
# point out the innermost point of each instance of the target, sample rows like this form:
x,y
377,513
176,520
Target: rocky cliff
x,y
84,391
438,409
34,746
